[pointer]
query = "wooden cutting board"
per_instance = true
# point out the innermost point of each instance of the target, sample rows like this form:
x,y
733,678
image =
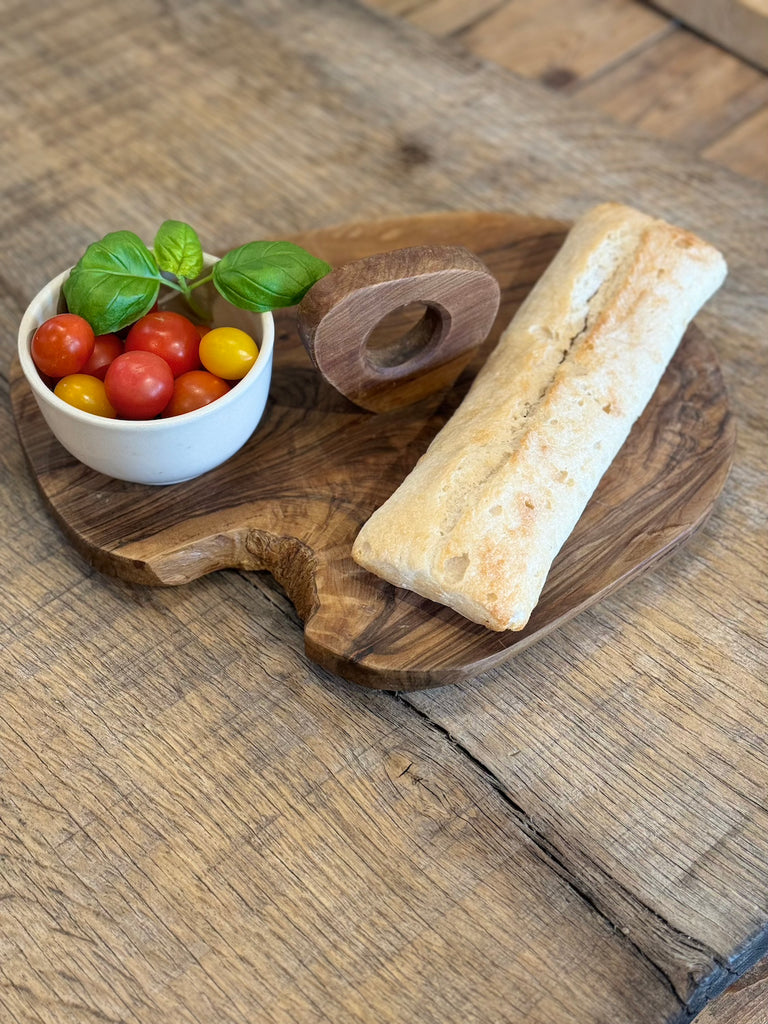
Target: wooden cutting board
x,y
293,499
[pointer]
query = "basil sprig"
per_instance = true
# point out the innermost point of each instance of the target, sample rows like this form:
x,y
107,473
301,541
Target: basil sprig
x,y
118,279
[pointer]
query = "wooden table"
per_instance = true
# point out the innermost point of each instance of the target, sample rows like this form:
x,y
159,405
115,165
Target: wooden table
x,y
198,823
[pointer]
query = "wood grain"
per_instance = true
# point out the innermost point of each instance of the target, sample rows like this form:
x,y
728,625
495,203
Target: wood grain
x,y
743,1003
293,500
197,823
738,25
700,94
743,147
530,36
661,75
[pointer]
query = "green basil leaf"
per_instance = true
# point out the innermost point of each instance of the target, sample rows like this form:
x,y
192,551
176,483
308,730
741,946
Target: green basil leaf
x,y
114,282
261,276
178,250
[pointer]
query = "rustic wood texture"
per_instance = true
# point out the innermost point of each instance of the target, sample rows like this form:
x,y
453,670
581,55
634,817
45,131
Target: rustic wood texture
x,y
626,59
356,327
295,509
743,1003
738,25
197,823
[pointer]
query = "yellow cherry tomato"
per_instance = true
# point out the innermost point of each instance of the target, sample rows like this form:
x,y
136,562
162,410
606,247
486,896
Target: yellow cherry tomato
x,y
228,352
85,392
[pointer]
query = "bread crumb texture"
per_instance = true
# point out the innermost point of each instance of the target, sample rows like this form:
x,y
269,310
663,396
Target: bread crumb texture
x,y
479,520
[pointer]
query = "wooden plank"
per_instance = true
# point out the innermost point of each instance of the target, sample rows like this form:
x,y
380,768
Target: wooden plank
x,y
743,148
253,840
533,38
745,1002
581,838
396,8
682,88
444,17
673,84
738,25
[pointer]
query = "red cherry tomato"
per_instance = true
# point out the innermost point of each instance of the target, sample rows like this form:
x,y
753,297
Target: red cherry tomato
x,y
62,345
106,347
193,390
139,385
169,335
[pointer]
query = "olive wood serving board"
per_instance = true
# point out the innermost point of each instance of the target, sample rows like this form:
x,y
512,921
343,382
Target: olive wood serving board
x,y
292,500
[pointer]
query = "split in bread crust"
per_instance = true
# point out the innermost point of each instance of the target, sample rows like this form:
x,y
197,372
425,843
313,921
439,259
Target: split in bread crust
x,y
479,520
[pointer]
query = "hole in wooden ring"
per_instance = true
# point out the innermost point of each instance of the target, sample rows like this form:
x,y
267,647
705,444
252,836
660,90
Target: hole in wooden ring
x,y
404,334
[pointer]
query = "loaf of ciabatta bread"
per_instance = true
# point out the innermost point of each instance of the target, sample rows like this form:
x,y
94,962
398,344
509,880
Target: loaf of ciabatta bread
x,y
480,518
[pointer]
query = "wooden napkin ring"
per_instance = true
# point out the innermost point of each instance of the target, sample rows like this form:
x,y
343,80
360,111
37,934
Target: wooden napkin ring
x,y
338,315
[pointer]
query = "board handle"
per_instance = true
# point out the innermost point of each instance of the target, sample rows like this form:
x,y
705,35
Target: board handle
x,y
337,318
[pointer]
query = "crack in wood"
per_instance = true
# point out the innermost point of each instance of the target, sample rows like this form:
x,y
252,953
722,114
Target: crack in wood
x,y
702,989
689,1006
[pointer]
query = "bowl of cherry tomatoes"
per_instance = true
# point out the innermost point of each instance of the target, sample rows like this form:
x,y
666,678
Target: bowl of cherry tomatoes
x,y
165,400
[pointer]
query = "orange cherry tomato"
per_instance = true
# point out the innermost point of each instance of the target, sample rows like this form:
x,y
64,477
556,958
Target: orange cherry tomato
x,y
193,390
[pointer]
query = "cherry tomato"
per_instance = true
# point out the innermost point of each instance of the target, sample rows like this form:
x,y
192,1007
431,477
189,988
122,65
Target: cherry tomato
x,y
106,347
62,344
169,335
193,390
85,392
139,385
228,352
202,329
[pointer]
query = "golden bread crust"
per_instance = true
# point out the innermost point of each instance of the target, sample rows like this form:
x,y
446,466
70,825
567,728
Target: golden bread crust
x,y
482,515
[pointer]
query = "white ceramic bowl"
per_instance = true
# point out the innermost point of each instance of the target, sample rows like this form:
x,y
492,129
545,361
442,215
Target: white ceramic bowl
x,y
161,451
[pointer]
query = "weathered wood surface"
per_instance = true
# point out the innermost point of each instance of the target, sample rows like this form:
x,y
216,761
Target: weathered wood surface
x,y
739,25
295,509
197,823
625,58
743,1003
